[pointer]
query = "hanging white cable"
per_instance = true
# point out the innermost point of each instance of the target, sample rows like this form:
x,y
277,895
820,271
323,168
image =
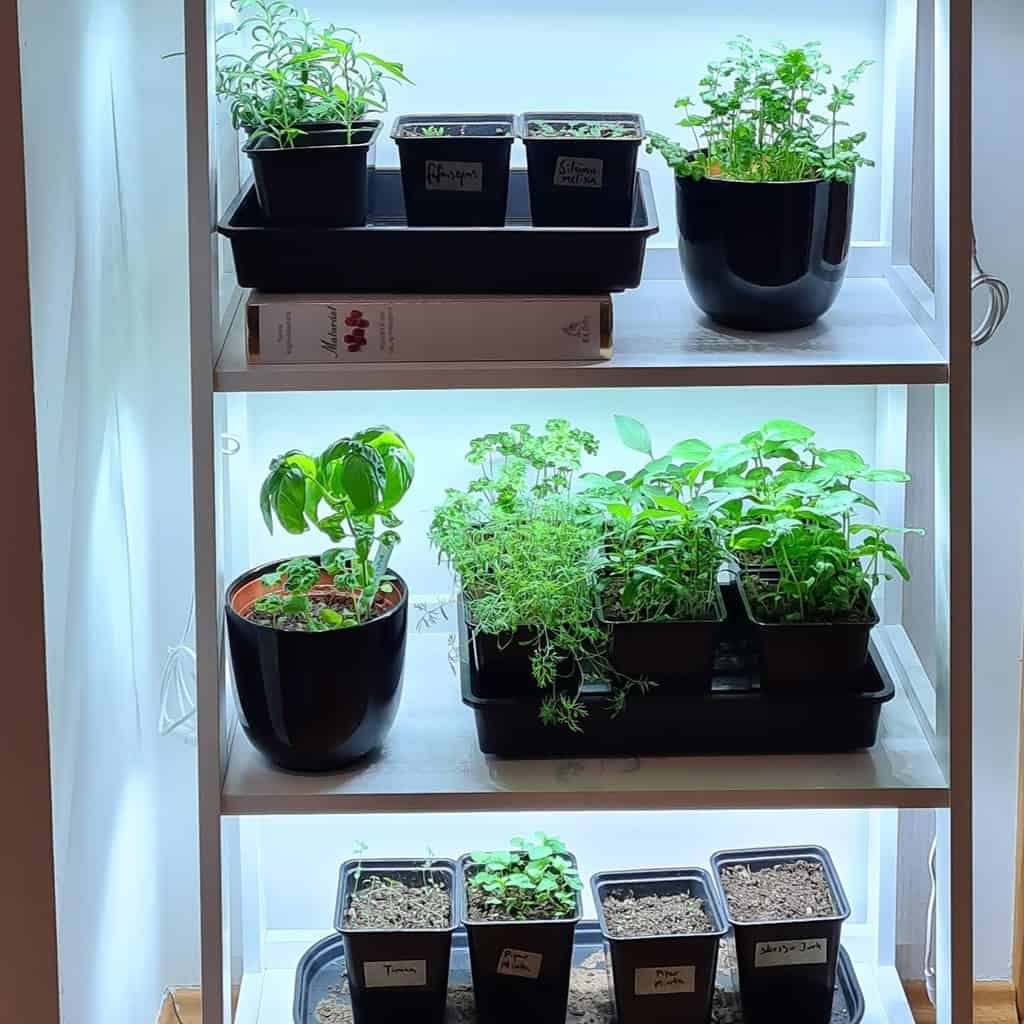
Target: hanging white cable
x,y
998,297
929,939
178,684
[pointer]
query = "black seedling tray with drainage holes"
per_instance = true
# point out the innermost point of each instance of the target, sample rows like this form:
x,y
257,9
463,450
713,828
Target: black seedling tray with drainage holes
x,y
736,716
387,255
321,976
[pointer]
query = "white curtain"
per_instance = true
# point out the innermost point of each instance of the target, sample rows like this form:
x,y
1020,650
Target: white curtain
x,y
105,155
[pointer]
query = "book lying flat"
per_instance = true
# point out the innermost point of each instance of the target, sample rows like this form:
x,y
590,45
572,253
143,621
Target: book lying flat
x,y
427,328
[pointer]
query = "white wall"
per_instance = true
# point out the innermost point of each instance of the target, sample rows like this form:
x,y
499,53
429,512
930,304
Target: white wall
x,y
104,126
998,483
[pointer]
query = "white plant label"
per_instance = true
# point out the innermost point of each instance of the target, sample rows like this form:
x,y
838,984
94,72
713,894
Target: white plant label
x,y
664,981
519,964
791,953
395,973
579,172
454,176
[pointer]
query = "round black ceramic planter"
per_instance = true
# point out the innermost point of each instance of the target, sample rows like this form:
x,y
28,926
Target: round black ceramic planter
x,y
315,701
321,180
764,256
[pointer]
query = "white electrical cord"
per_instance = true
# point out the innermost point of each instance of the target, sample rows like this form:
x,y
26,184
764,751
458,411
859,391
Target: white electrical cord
x,y
929,939
998,297
178,684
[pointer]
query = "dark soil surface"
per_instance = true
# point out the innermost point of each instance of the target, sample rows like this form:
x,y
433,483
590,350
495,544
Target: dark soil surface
x,y
784,892
388,904
629,916
479,910
456,131
320,598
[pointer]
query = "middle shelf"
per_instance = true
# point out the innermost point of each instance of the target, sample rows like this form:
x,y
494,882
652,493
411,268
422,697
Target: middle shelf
x,y
661,339
431,762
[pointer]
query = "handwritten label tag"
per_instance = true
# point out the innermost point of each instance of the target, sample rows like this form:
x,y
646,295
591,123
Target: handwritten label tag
x,y
663,981
792,953
395,973
454,176
518,964
579,172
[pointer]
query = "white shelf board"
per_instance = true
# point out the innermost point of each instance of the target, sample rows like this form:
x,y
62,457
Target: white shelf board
x,y
661,339
266,997
431,762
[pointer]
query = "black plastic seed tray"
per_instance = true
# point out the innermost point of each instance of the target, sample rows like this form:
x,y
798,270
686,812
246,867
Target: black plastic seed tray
x,y
389,256
736,717
321,986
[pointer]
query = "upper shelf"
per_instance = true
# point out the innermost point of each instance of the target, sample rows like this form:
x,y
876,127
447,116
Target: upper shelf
x,y
431,762
660,340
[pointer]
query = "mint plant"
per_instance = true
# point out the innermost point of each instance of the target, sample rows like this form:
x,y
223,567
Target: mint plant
x,y
769,114
534,881
286,72
348,493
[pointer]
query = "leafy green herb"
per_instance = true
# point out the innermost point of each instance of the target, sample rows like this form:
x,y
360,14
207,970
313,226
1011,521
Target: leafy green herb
x,y
349,493
288,72
534,881
663,547
769,115
796,508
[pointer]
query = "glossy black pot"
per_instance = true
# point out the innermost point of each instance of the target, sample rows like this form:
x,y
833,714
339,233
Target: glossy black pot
x,y
315,701
764,256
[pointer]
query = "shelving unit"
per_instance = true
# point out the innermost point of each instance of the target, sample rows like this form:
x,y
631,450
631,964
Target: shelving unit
x,y
890,331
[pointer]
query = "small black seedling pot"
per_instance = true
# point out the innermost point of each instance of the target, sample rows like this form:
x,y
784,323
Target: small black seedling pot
x,y
459,178
764,256
787,969
315,701
820,654
663,979
521,969
397,975
581,181
678,656
322,180
501,662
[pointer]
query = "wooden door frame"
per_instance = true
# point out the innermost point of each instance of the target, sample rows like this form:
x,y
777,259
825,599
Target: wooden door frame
x,y
28,961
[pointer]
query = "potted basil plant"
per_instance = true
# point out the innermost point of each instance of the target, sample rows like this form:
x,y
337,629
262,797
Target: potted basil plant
x,y
303,93
764,195
318,642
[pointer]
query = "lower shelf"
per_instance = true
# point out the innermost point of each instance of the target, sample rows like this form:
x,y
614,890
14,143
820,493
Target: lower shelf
x,y
268,997
432,762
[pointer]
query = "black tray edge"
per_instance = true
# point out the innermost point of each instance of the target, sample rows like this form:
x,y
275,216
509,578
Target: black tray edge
x,y
588,933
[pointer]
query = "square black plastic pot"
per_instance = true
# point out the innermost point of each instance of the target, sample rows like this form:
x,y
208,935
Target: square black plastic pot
x,y
662,979
810,654
678,656
787,969
521,969
581,182
397,975
459,179
500,663
322,180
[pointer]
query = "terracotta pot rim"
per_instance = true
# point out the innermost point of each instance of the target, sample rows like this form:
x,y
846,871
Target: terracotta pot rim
x,y
255,573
